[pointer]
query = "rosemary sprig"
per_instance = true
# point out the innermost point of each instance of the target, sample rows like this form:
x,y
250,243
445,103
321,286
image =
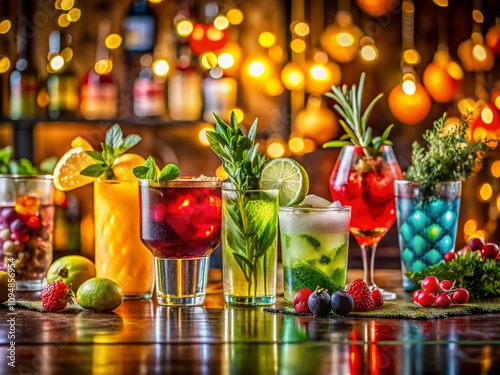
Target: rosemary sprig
x,y
354,121
447,156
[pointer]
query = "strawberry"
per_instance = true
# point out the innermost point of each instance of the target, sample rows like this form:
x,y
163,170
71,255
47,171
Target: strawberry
x,y
360,293
377,297
56,295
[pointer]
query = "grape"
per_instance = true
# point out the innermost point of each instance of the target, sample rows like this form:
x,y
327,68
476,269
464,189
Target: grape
x,y
489,250
449,256
476,243
18,228
415,295
300,300
460,296
319,302
430,284
426,298
446,284
443,300
341,303
8,215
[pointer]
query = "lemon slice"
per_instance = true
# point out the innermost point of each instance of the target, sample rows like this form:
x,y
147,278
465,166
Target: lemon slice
x,y
67,171
81,142
289,177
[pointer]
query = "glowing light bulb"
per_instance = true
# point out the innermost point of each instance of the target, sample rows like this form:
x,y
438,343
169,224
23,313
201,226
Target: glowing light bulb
x,y
57,63
344,39
409,87
256,69
235,16
369,52
221,23
267,39
184,28
226,60
160,68
113,41
479,52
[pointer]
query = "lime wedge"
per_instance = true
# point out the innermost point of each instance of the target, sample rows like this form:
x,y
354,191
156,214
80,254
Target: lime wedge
x,y
289,177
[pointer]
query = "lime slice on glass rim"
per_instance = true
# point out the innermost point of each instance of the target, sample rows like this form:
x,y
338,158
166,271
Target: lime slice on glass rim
x,y
289,177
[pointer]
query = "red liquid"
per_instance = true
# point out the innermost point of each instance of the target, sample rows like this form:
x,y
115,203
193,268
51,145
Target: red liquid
x,y
370,193
180,222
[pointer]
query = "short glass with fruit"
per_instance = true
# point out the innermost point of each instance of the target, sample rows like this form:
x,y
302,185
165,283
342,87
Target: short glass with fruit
x,y
119,253
314,248
249,245
181,226
26,225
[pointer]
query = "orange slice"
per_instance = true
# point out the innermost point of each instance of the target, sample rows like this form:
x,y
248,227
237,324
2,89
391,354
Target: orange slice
x,y
124,164
67,171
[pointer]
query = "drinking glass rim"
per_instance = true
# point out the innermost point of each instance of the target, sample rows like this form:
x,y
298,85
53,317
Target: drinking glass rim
x,y
314,209
408,182
185,181
47,177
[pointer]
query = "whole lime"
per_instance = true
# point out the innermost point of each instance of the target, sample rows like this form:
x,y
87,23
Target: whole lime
x,y
99,294
71,269
4,286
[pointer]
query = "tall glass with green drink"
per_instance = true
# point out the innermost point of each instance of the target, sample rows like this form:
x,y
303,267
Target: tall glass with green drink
x,y
314,246
249,245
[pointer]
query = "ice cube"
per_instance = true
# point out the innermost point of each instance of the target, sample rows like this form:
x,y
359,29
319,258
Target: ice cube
x,y
336,204
315,201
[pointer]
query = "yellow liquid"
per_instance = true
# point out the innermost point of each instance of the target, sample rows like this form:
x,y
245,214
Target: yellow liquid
x,y
119,253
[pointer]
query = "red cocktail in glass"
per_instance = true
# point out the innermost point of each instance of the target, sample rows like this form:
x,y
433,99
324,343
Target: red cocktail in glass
x,y
366,184
180,225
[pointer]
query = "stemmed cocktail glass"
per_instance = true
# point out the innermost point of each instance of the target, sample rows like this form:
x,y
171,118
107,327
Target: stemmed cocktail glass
x,y
366,183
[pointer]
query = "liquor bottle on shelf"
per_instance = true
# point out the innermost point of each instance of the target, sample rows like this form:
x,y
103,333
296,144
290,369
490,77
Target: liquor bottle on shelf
x,y
184,88
149,98
62,83
139,27
99,92
219,95
24,78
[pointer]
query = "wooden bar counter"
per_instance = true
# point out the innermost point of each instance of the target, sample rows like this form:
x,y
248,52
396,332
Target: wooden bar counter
x,y
141,337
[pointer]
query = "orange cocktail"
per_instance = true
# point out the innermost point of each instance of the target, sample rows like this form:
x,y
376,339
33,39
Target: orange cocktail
x,y
119,253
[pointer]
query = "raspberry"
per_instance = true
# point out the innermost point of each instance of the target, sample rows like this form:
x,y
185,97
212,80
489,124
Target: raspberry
x,y
56,295
377,297
360,293
300,300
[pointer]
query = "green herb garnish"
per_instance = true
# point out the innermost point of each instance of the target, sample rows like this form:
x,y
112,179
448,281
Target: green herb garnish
x,y
149,171
305,275
114,146
240,155
481,277
447,156
23,166
354,121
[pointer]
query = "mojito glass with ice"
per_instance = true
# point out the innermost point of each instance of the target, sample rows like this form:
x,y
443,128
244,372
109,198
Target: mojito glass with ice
x,y
314,246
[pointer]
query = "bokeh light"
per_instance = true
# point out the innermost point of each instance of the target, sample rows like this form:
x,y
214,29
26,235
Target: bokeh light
x,y
234,16
113,41
267,39
5,26
74,14
485,192
221,23
184,28
160,68
57,63
4,64
301,29
298,45
226,60
103,66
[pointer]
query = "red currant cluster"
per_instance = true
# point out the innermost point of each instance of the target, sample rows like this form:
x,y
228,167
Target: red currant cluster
x,y
441,294
488,250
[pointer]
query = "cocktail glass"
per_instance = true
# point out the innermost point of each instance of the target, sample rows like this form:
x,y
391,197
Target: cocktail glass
x,y
119,253
427,224
180,225
366,183
249,244
26,225
314,248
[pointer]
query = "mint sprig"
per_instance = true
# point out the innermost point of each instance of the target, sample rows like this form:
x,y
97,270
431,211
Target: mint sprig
x,y
24,166
148,171
114,146
240,155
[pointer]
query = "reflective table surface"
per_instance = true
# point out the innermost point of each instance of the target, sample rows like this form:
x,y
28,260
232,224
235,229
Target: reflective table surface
x,y
141,337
